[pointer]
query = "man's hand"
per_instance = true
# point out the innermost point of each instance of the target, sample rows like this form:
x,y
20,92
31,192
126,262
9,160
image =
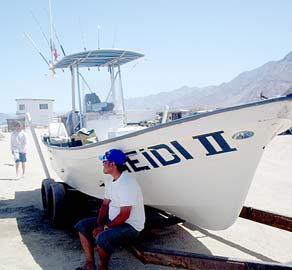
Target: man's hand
x,y
97,231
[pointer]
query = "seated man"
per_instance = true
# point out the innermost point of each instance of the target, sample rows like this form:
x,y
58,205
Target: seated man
x,y
121,216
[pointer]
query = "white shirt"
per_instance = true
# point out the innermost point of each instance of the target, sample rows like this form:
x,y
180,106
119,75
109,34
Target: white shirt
x,y
125,191
19,142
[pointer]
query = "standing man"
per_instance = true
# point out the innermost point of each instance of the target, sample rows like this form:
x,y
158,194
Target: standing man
x,y
19,148
121,216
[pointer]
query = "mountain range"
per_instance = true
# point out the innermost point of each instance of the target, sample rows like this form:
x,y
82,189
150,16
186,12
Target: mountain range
x,y
271,79
3,117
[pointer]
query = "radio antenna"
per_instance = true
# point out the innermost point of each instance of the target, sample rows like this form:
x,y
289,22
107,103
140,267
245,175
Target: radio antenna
x,y
115,37
82,35
98,36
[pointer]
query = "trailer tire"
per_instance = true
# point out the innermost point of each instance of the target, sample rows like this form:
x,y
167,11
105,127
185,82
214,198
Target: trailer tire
x,y
46,183
56,204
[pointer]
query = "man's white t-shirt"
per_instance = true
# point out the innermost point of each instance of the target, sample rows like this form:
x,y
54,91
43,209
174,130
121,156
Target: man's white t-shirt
x,y
125,191
19,142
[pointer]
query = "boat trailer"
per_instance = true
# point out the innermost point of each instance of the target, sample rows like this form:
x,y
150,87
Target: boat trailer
x,y
196,261
267,218
171,258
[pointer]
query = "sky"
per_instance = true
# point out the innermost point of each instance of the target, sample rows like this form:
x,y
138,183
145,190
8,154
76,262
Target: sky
x,y
185,42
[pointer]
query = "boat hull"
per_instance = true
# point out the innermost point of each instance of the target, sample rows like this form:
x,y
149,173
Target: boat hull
x,y
198,168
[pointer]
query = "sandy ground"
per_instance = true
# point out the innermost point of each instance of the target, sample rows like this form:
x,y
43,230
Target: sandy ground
x,y
28,241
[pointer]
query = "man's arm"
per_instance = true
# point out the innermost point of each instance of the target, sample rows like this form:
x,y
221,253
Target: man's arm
x,y
25,140
103,211
12,143
124,214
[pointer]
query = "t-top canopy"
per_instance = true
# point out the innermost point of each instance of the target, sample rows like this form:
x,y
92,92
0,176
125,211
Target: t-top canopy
x,y
98,58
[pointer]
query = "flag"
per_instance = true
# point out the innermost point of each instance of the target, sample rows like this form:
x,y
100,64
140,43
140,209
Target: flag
x,y
55,53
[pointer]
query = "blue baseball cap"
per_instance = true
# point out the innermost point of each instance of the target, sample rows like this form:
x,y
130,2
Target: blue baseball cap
x,y
114,155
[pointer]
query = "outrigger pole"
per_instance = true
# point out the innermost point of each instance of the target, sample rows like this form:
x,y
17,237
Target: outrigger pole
x,y
60,44
51,31
37,48
41,29
57,37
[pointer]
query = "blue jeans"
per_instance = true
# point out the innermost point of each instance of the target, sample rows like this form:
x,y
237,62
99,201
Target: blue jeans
x,y
22,158
110,239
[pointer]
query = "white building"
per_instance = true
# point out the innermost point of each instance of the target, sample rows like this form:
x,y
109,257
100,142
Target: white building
x,y
174,114
41,110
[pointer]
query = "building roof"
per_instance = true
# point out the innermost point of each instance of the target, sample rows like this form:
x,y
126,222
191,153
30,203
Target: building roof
x,y
35,99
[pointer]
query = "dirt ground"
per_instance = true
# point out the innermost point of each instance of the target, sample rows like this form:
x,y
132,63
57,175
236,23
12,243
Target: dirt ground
x,y
28,241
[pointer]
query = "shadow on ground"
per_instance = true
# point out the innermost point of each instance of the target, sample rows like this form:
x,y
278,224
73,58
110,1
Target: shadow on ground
x,y
49,247
53,248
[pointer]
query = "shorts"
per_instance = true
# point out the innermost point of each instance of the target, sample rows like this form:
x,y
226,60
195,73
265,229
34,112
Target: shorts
x,y
22,158
110,239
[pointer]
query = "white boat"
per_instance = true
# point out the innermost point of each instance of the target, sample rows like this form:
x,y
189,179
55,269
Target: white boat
x,y
198,168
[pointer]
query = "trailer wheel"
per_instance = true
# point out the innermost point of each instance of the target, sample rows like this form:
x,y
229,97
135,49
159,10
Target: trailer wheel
x,y
56,204
45,193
